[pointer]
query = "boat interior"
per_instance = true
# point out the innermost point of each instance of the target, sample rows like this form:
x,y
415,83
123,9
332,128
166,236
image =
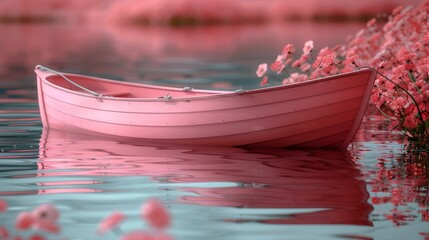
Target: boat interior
x,y
121,89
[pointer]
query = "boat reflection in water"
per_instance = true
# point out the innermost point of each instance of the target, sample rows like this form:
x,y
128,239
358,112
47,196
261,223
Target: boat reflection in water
x,y
326,180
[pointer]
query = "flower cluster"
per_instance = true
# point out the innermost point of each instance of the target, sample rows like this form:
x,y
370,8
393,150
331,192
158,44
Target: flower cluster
x,y
402,58
398,50
44,219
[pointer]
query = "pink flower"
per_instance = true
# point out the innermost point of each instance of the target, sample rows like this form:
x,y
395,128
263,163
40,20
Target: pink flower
x,y
295,77
155,213
137,235
305,67
303,59
45,218
397,103
288,80
371,22
288,50
24,220
3,205
405,56
264,81
110,222
262,69
308,46
410,122
397,10
425,39
416,47
374,97
46,212
325,57
350,61
278,65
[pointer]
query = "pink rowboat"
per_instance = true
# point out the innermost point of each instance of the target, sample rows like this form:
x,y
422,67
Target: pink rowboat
x,y
321,113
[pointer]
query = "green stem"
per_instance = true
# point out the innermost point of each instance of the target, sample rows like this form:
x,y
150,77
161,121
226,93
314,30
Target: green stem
x,y
410,75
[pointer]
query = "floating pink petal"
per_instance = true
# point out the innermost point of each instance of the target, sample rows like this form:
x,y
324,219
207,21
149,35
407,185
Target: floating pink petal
x,y
110,222
24,220
137,235
46,212
3,205
155,213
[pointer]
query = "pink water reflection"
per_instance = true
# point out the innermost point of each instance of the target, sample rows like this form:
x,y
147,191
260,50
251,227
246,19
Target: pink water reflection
x,y
314,179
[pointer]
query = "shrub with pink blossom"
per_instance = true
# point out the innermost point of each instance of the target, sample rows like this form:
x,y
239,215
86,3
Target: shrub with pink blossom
x,y
397,48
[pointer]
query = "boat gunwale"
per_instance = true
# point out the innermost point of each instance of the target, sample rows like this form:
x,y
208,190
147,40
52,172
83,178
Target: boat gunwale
x,y
211,110
214,93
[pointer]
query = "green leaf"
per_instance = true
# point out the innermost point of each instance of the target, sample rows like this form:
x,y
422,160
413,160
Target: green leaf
x,y
413,79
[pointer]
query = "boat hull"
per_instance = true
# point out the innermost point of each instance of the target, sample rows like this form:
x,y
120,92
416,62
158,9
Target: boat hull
x,y
319,113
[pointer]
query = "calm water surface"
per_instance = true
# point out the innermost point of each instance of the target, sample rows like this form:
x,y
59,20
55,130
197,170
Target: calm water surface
x,y
369,191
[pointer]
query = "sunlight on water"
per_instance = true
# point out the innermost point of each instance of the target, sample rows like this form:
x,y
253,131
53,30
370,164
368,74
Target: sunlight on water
x,y
369,191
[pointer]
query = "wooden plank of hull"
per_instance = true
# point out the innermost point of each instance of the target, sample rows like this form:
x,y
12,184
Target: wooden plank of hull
x,y
236,133
317,105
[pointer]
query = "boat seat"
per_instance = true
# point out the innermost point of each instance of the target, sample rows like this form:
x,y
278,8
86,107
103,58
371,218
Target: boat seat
x,y
116,94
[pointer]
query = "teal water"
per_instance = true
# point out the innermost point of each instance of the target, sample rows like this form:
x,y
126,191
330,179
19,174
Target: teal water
x,y
372,190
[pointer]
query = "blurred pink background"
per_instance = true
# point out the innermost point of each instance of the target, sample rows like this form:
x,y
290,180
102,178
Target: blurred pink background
x,y
207,11
219,42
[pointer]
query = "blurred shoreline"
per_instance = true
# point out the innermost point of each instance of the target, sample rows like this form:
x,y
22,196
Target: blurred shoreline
x,y
191,12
